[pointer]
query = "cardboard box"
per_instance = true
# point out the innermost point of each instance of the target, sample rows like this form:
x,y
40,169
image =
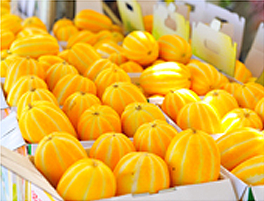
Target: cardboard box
x,y
254,60
169,20
243,191
205,12
214,47
132,12
22,167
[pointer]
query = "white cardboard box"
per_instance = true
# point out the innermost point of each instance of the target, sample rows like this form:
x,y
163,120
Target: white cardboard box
x,y
255,58
242,190
218,190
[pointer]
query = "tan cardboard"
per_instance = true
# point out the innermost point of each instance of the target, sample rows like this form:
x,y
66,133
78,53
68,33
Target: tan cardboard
x,y
88,4
166,20
214,47
196,9
147,6
21,165
254,60
236,33
132,12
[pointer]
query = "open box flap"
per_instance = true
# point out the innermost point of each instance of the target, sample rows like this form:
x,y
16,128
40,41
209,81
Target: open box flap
x,y
214,47
131,15
89,4
255,58
167,21
132,12
22,166
196,9
11,136
213,11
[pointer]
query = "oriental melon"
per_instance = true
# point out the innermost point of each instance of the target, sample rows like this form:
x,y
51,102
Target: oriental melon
x,y
193,157
163,77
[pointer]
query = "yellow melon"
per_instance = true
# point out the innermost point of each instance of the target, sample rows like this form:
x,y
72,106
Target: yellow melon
x,y
259,109
239,145
121,94
12,22
109,76
22,85
81,55
200,116
77,103
102,36
34,94
66,32
48,60
249,94
107,48
174,48
163,77
204,77
175,100
242,74
241,117
148,22
183,152
71,83
131,67
35,46
97,120
154,137
33,21
64,55
40,118
231,87
221,100
117,37
98,181
136,114
110,148
7,37
251,171
141,47
55,153
91,20
96,67
22,66
61,23
118,58
57,71
29,31
82,36
141,172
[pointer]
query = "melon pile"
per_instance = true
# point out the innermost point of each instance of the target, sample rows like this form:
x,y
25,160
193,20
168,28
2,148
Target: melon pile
x,y
85,93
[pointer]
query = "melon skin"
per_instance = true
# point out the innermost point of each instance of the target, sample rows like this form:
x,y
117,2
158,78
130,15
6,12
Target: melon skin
x,y
141,172
55,153
183,152
96,179
251,171
239,145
